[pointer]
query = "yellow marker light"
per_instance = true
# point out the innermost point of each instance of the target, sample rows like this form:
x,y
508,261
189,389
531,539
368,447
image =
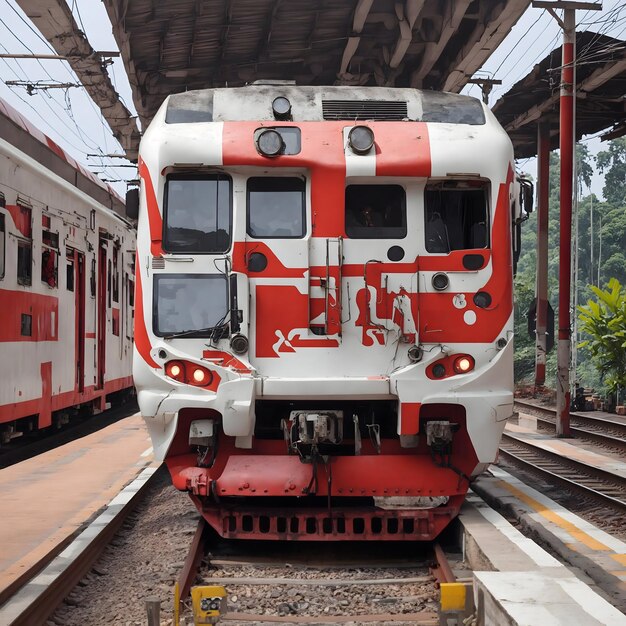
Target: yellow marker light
x,y
199,375
209,602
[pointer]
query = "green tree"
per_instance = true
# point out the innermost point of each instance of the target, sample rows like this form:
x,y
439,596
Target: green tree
x,y
612,163
603,320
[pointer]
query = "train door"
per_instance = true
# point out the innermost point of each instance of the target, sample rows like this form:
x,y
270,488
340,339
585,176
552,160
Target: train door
x,y
101,328
79,300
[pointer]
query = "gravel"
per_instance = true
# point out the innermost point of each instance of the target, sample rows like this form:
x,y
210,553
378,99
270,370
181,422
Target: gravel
x,y
146,556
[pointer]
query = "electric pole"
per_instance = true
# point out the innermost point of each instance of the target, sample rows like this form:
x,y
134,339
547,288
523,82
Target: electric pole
x,y
566,146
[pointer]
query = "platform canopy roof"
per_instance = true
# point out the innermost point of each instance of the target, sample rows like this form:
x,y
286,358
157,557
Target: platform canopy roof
x,y
600,94
174,46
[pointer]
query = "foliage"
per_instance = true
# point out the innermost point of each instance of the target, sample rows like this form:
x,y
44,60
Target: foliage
x,y
601,249
603,319
613,162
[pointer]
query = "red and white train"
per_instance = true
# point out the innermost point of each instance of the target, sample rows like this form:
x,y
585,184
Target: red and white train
x,y
66,284
324,331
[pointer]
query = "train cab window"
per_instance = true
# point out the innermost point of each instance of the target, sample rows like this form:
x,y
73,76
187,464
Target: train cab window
x,y
375,212
276,207
24,262
197,213
195,305
2,244
456,216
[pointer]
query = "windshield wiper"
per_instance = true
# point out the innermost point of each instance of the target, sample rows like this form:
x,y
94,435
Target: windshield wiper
x,y
194,331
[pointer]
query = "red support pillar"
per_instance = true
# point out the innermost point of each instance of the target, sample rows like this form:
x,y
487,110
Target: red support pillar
x,y
565,243
543,193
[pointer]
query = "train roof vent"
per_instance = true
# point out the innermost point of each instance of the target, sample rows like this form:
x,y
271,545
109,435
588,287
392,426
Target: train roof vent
x,y
364,110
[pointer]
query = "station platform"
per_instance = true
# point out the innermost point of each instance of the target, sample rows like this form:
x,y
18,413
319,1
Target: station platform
x,y
48,499
518,582
569,448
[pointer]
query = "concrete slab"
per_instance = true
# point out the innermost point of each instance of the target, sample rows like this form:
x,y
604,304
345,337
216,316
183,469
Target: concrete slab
x,y
534,599
589,550
517,582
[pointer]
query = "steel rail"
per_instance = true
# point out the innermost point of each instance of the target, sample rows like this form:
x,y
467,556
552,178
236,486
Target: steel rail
x,y
596,474
588,420
441,570
192,561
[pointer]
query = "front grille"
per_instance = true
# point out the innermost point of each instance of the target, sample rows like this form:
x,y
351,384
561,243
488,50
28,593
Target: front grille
x,y
363,110
158,263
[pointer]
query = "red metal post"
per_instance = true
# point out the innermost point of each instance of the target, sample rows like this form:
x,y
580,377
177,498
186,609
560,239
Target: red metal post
x,y
565,243
543,192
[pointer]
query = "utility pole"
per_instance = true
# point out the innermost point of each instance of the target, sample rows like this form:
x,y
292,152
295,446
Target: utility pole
x,y
541,293
566,146
486,85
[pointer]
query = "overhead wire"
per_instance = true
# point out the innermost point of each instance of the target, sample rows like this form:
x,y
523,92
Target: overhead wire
x,y
66,106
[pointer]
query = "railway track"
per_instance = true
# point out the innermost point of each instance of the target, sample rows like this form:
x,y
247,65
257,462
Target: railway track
x,y
603,431
603,487
362,585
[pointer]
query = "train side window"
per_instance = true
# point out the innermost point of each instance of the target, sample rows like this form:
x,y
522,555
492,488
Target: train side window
x,y
49,260
116,275
24,262
375,212
276,208
197,213
2,244
69,271
456,216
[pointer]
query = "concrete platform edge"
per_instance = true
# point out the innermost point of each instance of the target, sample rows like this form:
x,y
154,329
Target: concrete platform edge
x,y
605,584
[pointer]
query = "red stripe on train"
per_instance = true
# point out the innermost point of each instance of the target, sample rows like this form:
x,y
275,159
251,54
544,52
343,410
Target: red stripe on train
x,y
48,403
23,312
155,220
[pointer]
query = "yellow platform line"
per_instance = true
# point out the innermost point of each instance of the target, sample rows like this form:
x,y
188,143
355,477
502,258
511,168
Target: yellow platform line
x,y
578,534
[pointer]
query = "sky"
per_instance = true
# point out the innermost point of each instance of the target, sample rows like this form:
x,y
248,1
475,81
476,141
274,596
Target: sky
x,y
71,118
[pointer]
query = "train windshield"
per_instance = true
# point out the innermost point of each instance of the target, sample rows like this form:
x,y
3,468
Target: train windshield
x,y
276,207
197,213
375,212
193,304
456,216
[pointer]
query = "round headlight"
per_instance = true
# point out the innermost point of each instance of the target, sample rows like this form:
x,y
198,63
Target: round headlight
x,y
439,370
281,107
269,143
199,375
463,364
482,299
415,354
361,139
440,281
239,344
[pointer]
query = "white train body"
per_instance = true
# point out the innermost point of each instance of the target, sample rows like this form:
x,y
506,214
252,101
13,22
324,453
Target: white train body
x,y
66,285
357,370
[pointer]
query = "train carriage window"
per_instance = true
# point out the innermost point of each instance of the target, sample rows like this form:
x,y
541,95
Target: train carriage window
x,y
197,213
116,274
276,207
195,305
49,259
456,216
375,212
69,271
2,244
24,262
